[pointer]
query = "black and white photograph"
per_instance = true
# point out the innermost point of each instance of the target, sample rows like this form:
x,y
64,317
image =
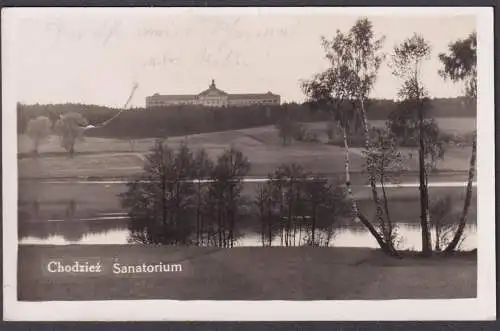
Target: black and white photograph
x,y
248,164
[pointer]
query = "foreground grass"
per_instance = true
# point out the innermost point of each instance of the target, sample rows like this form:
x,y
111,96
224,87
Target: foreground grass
x,y
274,273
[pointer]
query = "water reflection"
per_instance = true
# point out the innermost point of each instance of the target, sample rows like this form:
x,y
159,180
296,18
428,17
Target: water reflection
x,y
46,222
59,209
71,231
359,237
111,237
115,232
66,221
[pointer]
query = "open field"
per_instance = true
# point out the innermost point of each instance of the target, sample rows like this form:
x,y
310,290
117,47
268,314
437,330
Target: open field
x,y
454,125
249,137
319,159
245,274
112,157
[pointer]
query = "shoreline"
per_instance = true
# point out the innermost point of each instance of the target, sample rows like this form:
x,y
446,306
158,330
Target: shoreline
x,y
407,253
70,179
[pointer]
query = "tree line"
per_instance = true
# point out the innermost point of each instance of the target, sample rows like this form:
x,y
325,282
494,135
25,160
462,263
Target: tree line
x,y
182,120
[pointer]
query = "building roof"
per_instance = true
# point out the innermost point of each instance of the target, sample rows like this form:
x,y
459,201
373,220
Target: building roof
x,y
168,97
251,95
213,90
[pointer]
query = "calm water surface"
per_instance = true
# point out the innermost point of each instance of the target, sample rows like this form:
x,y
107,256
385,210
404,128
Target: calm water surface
x,y
345,237
72,213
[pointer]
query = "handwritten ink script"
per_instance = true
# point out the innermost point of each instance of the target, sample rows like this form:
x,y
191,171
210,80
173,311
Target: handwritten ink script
x,y
215,34
215,28
218,57
64,32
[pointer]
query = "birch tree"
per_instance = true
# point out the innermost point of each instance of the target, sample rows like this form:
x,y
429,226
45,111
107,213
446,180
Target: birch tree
x,y
460,65
342,90
365,58
407,62
387,165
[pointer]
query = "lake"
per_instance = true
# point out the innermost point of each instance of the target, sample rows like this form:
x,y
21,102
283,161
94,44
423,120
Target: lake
x,y
90,213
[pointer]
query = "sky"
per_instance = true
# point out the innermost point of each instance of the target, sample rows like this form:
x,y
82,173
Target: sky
x,y
94,57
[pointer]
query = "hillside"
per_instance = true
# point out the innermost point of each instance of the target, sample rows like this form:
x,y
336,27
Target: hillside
x,y
262,146
182,120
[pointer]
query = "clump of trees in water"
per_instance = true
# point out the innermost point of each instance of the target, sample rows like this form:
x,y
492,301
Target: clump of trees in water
x,y
299,208
184,197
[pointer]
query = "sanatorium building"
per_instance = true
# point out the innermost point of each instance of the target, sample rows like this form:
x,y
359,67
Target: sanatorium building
x,y
213,97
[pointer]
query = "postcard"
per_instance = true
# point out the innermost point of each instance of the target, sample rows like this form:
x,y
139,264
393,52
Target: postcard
x,y
246,164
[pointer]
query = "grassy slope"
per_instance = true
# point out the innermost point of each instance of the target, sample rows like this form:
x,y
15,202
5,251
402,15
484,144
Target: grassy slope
x,y
112,157
247,274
